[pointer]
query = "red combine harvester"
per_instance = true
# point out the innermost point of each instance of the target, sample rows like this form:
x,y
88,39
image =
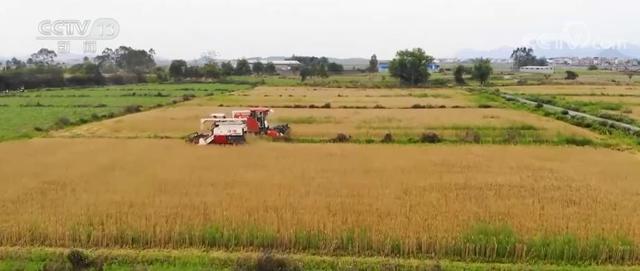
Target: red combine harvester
x,y
232,130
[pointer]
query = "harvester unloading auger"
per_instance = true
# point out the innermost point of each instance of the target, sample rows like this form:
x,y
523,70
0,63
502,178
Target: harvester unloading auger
x,y
223,130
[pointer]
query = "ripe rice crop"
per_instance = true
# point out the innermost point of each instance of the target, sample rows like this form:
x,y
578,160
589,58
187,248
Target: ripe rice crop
x,y
326,123
389,98
496,203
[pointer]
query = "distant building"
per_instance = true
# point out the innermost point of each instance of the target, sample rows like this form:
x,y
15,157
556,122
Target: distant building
x,y
538,69
282,66
383,67
433,67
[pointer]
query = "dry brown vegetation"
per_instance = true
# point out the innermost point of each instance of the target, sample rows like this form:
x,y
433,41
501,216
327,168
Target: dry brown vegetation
x,y
163,193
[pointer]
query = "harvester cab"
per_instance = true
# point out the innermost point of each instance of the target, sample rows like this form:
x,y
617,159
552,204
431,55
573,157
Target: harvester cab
x,y
257,122
223,130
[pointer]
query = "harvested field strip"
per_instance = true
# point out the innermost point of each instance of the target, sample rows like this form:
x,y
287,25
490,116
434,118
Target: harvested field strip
x,y
340,200
309,123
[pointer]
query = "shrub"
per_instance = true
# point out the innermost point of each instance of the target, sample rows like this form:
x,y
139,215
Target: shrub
x,y
439,82
592,68
326,105
471,136
576,141
188,97
539,105
78,259
512,136
564,112
388,138
484,106
134,108
81,261
341,138
571,75
266,262
418,106
62,122
430,137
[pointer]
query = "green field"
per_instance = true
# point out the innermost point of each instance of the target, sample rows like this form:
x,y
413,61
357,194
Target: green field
x,y
36,259
31,113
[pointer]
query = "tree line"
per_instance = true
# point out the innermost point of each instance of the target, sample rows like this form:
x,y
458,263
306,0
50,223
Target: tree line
x,y
124,65
410,67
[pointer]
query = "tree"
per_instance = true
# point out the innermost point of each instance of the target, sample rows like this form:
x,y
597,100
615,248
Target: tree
x,y
211,70
161,74
592,68
335,68
322,71
410,66
128,59
242,68
227,68
44,56
194,72
523,56
571,75
482,70
458,74
305,72
134,60
258,68
15,64
630,73
373,64
178,69
270,68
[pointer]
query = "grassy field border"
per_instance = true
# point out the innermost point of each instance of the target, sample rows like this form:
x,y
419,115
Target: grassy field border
x,y
12,258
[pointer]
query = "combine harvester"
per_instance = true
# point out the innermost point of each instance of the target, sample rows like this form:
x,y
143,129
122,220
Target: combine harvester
x,y
232,131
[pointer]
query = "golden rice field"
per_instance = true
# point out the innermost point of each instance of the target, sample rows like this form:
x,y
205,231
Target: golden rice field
x,y
356,199
323,123
390,98
130,182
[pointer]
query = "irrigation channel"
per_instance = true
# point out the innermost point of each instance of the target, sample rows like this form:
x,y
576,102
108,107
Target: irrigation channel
x,y
616,124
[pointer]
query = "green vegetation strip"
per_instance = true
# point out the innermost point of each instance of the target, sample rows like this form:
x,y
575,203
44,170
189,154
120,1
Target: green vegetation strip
x,y
58,259
482,243
615,138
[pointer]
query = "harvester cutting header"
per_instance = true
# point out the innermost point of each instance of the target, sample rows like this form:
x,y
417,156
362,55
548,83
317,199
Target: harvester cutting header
x,y
221,130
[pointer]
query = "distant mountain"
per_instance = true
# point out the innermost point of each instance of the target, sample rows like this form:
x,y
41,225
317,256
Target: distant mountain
x,y
557,49
612,53
502,52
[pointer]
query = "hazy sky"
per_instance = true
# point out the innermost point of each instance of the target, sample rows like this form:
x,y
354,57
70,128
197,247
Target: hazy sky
x,y
338,28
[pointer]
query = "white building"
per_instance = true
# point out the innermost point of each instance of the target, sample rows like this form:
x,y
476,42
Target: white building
x,y
538,69
282,66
